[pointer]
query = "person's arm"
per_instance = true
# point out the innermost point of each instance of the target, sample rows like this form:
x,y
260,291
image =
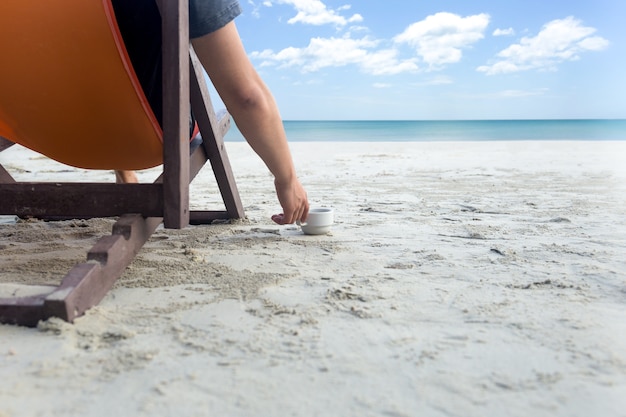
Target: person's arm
x,y
251,104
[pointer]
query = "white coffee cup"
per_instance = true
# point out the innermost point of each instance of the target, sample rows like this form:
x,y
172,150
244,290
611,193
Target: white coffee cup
x,y
319,221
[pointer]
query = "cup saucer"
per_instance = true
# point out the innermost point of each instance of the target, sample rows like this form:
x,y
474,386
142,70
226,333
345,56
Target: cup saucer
x,y
315,230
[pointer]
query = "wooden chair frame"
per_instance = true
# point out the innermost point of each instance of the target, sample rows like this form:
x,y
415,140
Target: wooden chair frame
x,y
141,207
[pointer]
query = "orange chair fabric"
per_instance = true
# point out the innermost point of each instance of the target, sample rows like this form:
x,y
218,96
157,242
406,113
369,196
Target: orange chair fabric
x,y
67,88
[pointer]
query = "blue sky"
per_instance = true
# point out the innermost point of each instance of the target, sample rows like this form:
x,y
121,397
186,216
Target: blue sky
x,y
456,59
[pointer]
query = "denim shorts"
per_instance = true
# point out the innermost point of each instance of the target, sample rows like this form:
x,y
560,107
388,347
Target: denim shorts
x,y
206,16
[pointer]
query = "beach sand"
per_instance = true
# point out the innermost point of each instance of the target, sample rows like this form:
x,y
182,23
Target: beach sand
x,y
460,279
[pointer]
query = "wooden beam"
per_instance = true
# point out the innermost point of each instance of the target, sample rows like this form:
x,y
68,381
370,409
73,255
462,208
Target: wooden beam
x,y
87,283
176,112
197,160
197,217
213,131
26,311
80,200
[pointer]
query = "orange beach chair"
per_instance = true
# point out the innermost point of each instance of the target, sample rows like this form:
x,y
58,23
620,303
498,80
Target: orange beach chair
x,y
68,91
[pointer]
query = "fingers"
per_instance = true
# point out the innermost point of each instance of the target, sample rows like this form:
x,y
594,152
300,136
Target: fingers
x,y
303,214
293,199
283,218
278,218
299,215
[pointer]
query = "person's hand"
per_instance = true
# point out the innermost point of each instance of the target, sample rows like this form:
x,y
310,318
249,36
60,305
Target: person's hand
x,y
293,200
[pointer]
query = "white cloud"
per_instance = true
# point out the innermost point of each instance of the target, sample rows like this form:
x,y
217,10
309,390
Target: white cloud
x,y
315,12
504,32
386,62
255,9
559,40
440,38
337,52
320,53
381,85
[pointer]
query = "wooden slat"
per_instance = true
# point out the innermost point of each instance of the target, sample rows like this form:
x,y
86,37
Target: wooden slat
x,y
80,200
197,217
213,132
87,283
26,311
196,162
176,110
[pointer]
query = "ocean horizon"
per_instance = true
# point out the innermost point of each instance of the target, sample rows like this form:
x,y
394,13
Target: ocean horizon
x,y
448,130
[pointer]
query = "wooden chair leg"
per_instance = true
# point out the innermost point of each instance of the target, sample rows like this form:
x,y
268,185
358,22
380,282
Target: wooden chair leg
x,y
213,132
176,110
87,283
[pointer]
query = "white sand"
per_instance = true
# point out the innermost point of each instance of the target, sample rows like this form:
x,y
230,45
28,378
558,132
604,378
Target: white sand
x,y
461,279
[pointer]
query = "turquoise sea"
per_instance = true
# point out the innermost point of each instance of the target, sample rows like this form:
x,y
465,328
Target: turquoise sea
x,y
459,130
